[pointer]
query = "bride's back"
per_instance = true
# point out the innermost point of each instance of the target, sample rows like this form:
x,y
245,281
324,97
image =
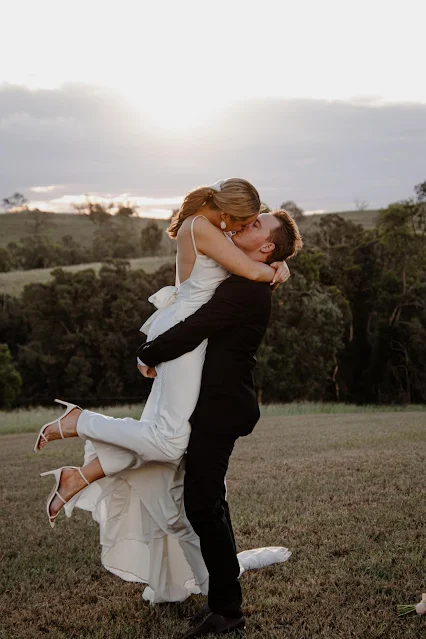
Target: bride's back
x,y
185,256
197,275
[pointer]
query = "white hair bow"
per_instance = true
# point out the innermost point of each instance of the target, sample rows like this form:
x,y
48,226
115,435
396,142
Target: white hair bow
x,y
216,186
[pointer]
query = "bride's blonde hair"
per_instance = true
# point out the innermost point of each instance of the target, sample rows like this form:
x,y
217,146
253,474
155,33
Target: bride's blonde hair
x,y
237,197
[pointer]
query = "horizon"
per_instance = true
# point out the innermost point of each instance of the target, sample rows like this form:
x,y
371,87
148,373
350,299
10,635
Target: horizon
x,y
165,214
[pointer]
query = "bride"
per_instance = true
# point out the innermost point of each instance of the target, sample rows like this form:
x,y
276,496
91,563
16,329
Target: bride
x,y
132,478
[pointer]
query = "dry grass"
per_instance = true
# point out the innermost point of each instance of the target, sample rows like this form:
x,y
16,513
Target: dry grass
x,y
345,492
330,408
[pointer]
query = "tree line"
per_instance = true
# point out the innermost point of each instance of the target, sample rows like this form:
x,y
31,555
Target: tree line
x,y
349,325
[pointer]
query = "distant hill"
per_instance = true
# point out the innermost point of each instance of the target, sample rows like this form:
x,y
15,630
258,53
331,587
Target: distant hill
x,y
14,225
367,219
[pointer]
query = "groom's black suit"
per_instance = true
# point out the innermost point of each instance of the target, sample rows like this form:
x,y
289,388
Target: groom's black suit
x,y
234,321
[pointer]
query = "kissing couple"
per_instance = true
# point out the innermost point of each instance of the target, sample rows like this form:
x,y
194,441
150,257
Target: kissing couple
x,y
156,486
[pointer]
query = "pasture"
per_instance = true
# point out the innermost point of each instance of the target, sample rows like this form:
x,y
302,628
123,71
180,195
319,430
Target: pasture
x,y
343,491
13,282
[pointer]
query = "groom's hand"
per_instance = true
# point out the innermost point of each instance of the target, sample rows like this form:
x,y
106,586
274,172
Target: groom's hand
x,y
147,371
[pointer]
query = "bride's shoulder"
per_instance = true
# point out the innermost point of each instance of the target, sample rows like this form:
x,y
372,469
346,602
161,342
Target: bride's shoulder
x,y
195,220
199,225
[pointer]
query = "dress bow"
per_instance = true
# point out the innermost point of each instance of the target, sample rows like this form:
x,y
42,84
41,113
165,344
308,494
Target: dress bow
x,y
161,299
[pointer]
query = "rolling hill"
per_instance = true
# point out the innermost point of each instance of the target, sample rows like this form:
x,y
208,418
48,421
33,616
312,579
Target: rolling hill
x,y
13,226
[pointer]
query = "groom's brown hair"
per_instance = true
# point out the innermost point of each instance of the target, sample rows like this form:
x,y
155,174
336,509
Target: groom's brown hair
x,y
286,237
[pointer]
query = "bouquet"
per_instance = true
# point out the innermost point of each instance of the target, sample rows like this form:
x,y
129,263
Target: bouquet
x,y
420,608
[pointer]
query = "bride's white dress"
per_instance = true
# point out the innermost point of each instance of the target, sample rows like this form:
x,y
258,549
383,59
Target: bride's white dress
x,y
144,533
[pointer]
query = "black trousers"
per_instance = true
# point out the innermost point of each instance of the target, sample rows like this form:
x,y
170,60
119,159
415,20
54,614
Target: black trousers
x,y
207,509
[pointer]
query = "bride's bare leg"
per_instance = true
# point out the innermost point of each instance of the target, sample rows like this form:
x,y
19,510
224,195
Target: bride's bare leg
x,y
69,428
72,482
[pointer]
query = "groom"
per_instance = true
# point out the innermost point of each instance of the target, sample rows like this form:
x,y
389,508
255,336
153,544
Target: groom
x,y
234,321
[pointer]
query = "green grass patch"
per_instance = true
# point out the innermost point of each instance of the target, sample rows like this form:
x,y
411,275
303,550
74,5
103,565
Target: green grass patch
x,y
30,420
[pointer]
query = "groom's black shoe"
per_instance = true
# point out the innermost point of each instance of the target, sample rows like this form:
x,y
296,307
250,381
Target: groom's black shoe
x,y
216,625
199,616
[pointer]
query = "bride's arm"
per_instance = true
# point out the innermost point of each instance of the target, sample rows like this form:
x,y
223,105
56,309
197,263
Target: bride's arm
x,y
212,242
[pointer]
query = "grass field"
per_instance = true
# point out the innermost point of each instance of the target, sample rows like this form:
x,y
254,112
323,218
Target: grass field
x,y
12,283
345,492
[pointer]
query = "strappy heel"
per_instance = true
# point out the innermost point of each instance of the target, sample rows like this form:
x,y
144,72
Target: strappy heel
x,y
41,434
57,474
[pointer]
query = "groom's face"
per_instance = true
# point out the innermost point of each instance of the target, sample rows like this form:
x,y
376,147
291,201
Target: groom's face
x,y
253,239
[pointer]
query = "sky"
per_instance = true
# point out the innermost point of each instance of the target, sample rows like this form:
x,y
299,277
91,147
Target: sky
x,y
322,103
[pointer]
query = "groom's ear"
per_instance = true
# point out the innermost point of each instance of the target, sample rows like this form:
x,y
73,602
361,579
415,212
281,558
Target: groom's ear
x,y
267,248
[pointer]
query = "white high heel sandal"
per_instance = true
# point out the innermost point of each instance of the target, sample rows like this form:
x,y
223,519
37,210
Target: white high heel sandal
x,y
41,435
57,473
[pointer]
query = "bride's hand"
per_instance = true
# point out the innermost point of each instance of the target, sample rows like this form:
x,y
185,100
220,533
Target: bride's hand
x,y
147,371
282,273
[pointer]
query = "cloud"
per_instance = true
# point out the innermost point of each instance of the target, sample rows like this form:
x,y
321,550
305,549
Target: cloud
x,y
323,154
46,189
38,128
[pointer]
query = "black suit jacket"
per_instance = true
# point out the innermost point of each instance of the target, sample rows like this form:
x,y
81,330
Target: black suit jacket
x,y
234,321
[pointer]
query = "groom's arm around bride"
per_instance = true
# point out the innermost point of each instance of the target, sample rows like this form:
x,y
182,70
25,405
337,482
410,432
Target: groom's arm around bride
x,y
234,321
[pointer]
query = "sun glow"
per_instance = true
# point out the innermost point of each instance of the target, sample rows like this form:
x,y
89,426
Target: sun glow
x,y
180,63
158,207
173,111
